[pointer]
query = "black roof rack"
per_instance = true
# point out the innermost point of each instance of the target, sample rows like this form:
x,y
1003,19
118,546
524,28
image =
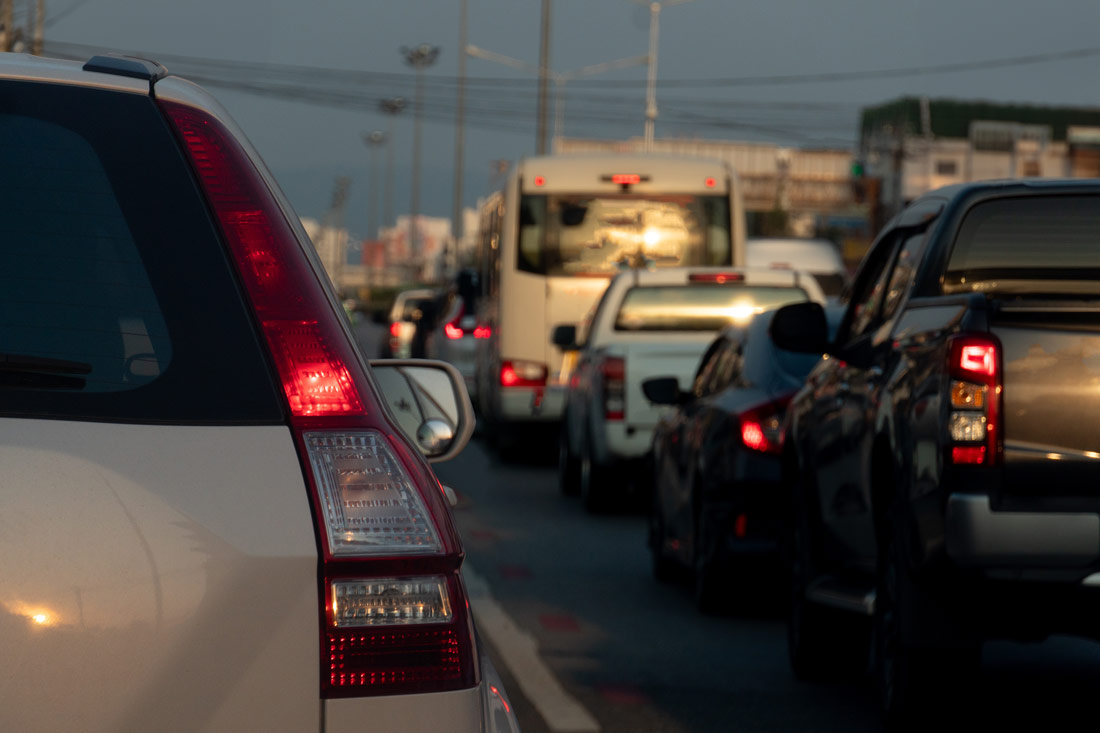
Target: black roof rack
x,y
132,66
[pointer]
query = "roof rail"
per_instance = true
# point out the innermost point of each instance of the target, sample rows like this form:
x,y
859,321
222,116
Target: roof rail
x,y
132,66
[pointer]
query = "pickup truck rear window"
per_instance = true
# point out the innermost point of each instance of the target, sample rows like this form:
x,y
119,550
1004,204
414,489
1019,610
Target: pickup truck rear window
x,y
1044,245
117,300
698,307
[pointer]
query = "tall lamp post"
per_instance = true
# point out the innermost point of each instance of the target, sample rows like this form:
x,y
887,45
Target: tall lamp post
x,y
420,58
391,108
374,140
651,80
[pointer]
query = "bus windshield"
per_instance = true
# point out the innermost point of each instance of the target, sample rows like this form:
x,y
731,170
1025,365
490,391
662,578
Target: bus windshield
x,y
577,234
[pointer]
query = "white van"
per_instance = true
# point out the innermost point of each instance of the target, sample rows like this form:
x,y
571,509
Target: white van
x,y
821,257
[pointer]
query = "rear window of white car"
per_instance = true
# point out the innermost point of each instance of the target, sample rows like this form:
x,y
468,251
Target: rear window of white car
x,y
117,300
702,307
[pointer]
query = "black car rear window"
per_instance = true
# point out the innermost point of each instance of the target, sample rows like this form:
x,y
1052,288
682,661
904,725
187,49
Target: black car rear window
x,y
1043,245
117,301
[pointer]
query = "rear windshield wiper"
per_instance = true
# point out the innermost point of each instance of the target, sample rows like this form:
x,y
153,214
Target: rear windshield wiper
x,y
41,372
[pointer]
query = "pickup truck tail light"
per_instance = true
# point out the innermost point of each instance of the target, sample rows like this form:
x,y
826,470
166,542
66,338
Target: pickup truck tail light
x,y
392,609
613,371
453,329
973,423
762,426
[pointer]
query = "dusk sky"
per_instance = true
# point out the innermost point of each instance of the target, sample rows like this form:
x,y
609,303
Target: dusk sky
x,y
744,70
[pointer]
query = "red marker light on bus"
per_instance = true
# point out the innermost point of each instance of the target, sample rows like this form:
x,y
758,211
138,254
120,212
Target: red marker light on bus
x,y
710,183
540,181
626,179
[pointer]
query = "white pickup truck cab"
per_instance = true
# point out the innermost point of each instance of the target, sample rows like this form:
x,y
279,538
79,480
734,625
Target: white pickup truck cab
x,y
648,323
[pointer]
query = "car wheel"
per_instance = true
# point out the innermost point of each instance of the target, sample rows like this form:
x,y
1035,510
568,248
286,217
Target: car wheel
x,y
665,569
569,467
710,583
821,641
915,684
592,480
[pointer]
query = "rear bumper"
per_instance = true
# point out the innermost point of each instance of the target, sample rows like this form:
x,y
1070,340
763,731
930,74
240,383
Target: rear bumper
x,y
625,442
979,537
531,404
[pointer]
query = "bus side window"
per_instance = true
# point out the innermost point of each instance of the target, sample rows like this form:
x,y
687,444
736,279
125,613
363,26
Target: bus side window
x,y
532,225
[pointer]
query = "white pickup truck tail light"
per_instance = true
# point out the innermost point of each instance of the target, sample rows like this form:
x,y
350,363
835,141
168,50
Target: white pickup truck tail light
x,y
391,606
973,427
613,371
523,374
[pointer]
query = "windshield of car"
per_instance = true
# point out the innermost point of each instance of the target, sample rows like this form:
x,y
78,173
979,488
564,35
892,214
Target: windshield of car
x,y
702,307
581,234
1043,245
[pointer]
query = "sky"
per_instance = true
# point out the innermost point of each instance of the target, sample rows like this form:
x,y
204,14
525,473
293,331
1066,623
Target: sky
x,y
728,69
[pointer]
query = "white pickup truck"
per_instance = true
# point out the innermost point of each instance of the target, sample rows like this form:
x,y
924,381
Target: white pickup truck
x,y
647,324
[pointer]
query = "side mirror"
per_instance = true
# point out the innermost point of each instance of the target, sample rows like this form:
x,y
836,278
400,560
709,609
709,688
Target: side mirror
x,y
564,336
663,391
801,328
429,403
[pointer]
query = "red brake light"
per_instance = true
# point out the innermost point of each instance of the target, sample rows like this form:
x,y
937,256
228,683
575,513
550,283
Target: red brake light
x,y
483,332
716,277
626,179
613,370
974,360
395,329
522,374
452,331
762,426
349,453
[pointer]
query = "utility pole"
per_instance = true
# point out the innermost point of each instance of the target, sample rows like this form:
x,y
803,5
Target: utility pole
x,y
374,140
457,227
39,26
651,77
391,108
544,78
420,58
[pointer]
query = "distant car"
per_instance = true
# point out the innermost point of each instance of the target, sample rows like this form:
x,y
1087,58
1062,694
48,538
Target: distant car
x,y
453,339
648,323
716,461
820,257
410,317
213,516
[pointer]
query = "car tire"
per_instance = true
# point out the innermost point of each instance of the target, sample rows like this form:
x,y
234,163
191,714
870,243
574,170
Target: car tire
x,y
665,569
822,642
569,466
710,583
592,481
915,685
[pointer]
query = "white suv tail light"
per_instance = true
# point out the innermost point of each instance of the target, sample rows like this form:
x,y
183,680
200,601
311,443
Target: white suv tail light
x,y
392,610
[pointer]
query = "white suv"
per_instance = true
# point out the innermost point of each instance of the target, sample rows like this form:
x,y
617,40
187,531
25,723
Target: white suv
x,y
210,519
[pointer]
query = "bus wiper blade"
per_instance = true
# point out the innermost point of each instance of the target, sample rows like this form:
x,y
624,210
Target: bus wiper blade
x,y
29,364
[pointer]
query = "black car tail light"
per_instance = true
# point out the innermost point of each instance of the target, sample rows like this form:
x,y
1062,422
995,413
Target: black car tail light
x,y
973,427
393,610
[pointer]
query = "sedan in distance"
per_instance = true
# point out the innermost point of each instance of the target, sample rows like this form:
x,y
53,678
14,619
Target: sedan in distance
x,y
716,461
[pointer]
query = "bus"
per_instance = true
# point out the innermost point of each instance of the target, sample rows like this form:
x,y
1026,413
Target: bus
x,y
552,238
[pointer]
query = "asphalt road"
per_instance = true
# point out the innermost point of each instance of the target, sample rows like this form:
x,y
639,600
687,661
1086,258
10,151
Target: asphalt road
x,y
600,636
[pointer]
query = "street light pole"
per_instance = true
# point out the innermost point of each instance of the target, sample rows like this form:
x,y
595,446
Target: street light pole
x,y
391,108
374,140
544,74
460,143
420,58
651,77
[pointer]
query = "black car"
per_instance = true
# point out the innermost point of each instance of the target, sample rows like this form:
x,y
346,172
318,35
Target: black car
x,y
716,460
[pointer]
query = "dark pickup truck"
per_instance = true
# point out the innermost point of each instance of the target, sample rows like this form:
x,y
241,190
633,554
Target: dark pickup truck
x,y
943,458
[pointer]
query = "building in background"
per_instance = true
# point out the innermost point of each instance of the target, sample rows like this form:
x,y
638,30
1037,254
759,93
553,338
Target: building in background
x,y
913,145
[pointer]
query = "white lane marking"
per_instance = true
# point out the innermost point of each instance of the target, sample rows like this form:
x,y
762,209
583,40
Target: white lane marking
x,y
519,651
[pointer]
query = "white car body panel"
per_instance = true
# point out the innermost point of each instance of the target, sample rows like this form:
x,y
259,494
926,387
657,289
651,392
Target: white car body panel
x,y
133,558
